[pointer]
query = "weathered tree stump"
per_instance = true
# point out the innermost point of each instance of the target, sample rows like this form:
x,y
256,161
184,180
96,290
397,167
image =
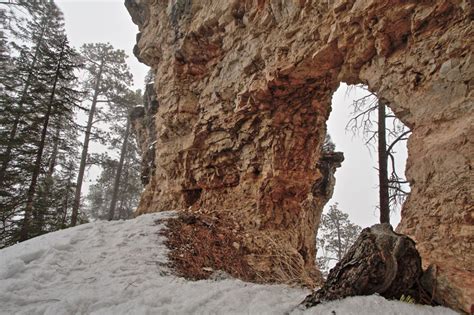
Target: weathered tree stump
x,y
380,261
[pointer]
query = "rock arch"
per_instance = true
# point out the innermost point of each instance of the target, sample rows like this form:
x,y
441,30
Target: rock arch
x,y
244,91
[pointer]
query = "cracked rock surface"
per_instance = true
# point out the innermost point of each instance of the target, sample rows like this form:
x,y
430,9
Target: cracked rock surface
x,y
244,91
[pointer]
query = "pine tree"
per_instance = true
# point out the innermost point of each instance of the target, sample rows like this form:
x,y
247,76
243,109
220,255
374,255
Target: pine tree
x,y
107,72
100,193
38,98
99,198
21,45
124,104
35,31
117,191
60,148
336,234
57,64
131,186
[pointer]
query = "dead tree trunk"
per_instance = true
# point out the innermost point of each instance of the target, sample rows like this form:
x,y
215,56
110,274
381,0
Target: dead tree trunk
x,y
380,261
383,159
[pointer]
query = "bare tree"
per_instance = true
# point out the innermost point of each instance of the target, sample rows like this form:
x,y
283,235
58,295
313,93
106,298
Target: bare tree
x,y
380,128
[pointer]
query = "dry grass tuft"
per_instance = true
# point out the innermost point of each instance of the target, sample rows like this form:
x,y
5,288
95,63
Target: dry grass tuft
x,y
201,244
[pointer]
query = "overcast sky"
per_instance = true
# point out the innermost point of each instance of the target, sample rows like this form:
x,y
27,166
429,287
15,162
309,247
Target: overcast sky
x,y
89,21
102,21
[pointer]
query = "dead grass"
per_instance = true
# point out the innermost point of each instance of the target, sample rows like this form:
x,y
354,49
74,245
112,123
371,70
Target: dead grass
x,y
200,244
287,268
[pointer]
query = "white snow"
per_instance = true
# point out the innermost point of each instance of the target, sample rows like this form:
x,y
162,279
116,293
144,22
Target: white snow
x,y
119,268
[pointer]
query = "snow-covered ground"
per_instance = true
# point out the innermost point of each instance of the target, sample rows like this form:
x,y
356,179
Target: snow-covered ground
x,y
119,268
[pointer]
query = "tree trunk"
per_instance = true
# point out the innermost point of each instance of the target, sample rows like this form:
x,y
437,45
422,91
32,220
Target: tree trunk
x,y
380,261
54,153
122,213
118,174
25,229
339,243
52,164
383,159
123,205
16,122
85,148
66,196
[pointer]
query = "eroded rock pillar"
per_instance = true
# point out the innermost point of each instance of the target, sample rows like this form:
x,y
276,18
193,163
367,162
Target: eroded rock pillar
x,y
244,90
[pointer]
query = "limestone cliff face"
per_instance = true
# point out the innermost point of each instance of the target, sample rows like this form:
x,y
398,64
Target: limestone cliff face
x,y
245,90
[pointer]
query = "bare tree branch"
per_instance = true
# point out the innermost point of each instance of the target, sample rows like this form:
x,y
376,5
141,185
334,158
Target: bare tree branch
x,y
401,137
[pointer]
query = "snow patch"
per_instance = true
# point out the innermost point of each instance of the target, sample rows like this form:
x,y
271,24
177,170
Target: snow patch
x,y
10,269
119,267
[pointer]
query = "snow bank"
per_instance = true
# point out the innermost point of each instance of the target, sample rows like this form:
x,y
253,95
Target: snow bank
x,y
119,267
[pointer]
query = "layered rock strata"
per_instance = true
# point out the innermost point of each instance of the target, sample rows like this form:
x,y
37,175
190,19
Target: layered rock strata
x,y
245,91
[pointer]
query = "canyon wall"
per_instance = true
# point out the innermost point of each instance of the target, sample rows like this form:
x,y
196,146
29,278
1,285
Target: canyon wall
x,y
244,90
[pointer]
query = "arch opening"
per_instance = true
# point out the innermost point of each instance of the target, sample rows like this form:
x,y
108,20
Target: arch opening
x,y
353,128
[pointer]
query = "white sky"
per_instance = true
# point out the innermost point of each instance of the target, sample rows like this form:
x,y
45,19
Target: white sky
x,y
95,21
89,21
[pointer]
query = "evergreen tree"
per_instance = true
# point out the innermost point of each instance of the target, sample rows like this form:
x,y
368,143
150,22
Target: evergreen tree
x,y
107,72
99,198
59,147
15,147
116,194
38,99
100,193
32,37
123,105
8,83
336,234
328,145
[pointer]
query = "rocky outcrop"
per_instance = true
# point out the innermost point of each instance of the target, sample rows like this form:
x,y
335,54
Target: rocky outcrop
x,y
245,91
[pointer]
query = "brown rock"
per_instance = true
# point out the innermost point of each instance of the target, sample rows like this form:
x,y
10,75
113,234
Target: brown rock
x,y
245,91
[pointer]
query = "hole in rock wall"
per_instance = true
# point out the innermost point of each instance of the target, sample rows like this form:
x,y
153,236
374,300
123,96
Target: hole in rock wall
x,y
191,196
352,126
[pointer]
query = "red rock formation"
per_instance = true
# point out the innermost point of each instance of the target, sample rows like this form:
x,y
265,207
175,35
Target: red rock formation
x,y
245,91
